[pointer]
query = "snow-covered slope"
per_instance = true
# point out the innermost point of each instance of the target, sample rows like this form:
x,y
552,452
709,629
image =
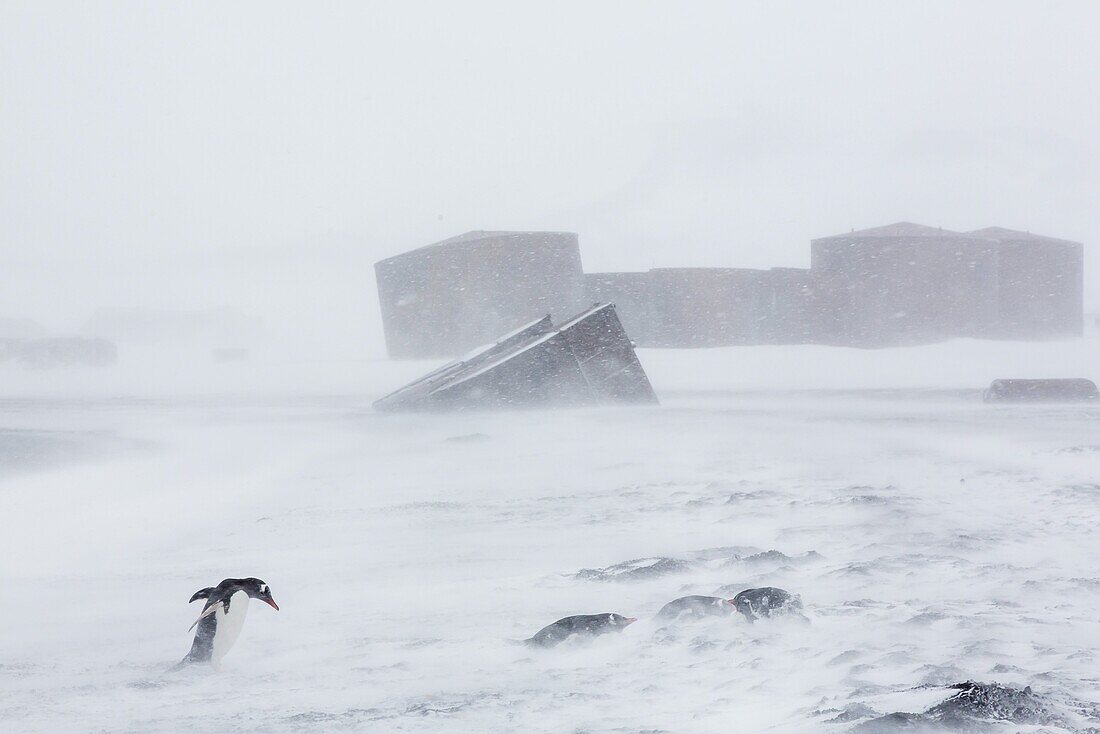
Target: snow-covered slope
x,y
951,541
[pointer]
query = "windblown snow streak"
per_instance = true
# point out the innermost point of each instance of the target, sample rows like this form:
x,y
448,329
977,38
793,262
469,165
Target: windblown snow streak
x,y
933,541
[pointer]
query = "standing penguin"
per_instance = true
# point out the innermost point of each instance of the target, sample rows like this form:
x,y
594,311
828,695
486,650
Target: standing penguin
x,y
222,618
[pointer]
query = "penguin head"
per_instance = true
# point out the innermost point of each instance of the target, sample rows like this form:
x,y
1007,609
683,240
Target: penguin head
x,y
742,604
258,589
618,620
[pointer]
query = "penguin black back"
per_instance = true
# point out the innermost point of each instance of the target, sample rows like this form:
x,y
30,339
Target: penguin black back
x,y
767,601
695,607
580,624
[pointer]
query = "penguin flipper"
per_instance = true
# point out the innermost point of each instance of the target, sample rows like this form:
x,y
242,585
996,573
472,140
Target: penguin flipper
x,y
202,594
205,613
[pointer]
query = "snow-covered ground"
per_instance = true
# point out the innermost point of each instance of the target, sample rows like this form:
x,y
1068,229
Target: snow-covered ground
x,y
951,540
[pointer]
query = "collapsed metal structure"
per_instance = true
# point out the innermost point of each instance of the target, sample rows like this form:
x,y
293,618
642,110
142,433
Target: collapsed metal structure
x,y
588,360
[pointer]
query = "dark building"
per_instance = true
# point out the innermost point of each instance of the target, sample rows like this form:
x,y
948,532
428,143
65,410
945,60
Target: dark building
x,y
588,360
800,306
685,307
909,284
1040,285
634,299
705,307
898,284
709,307
445,299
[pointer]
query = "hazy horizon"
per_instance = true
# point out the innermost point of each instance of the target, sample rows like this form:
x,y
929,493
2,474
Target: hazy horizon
x,y
261,157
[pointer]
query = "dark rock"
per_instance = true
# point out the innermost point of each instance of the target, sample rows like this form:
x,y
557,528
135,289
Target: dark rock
x,y
435,709
738,497
771,556
1087,448
1075,389
995,702
971,707
639,569
853,712
891,723
779,558
730,553
925,619
864,499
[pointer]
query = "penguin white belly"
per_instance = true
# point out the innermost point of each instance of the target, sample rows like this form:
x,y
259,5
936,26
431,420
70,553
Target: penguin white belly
x,y
229,625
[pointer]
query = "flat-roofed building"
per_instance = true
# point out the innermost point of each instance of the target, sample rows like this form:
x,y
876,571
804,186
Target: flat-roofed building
x,y
799,306
1040,284
907,283
705,307
447,298
899,284
634,299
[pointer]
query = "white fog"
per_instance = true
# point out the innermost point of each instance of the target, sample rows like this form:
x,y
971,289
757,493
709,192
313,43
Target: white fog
x,y
824,328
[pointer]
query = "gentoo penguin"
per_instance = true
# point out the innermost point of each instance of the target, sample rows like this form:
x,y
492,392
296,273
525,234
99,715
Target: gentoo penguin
x,y
223,617
766,601
581,624
695,607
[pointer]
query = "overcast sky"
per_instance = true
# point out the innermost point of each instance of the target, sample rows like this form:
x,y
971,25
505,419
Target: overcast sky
x,y
178,154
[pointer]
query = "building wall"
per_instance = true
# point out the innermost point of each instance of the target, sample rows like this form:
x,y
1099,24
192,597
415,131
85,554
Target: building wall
x,y
633,296
705,307
684,307
799,306
899,284
910,290
692,307
445,299
1041,289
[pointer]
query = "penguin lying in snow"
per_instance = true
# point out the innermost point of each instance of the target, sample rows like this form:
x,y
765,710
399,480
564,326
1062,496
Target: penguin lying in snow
x,y
767,601
581,624
695,607
223,617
